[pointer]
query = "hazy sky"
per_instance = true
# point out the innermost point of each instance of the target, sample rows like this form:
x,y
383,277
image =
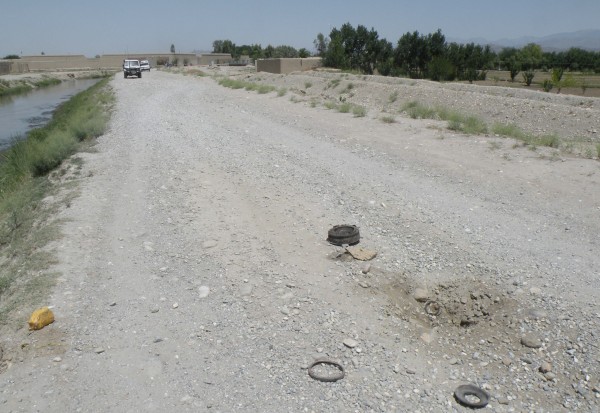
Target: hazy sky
x,y
117,26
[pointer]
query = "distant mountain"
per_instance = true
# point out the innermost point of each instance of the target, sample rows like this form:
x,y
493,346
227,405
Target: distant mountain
x,y
583,39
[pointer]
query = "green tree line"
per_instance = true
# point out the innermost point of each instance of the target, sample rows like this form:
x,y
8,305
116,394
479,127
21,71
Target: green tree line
x,y
256,51
430,56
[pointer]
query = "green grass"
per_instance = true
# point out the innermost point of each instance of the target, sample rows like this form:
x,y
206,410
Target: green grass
x,y
330,105
416,110
598,150
249,86
388,119
24,227
20,87
333,83
513,131
393,97
281,91
458,122
307,85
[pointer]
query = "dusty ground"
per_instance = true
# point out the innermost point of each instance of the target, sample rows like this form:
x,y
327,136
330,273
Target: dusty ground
x,y
195,275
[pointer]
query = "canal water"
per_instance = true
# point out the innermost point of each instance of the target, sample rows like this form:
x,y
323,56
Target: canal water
x,y
19,114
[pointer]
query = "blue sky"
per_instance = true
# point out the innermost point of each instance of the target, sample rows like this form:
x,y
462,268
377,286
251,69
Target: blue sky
x,y
117,26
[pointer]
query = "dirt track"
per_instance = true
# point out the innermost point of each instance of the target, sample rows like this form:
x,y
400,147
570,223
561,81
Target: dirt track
x,y
196,275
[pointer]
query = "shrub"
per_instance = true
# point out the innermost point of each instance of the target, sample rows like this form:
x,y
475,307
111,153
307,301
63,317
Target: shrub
x,y
307,85
388,119
528,76
547,85
393,96
281,91
345,107
359,111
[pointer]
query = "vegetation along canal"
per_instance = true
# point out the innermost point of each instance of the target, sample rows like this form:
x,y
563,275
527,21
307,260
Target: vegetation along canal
x,y
20,114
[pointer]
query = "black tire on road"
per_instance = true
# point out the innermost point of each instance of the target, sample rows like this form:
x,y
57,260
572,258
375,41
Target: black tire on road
x,y
465,390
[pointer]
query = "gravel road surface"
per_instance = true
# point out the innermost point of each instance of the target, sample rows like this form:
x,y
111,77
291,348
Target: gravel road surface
x,y
195,274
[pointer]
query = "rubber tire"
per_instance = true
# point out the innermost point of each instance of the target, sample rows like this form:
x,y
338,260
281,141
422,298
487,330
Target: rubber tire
x,y
125,75
471,390
344,235
140,75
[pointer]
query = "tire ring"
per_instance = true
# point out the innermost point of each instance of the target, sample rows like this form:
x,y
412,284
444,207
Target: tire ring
x,y
471,390
315,376
344,234
433,308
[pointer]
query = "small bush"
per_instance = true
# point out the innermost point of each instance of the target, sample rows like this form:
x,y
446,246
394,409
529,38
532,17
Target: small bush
x,y
329,105
345,107
359,111
598,150
307,85
393,96
388,119
262,89
281,91
418,111
552,141
547,85
528,76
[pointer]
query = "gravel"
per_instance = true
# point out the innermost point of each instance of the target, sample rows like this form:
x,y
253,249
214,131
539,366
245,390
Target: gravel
x,y
205,219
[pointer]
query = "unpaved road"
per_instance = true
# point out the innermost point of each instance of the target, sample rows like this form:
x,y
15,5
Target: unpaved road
x,y
196,275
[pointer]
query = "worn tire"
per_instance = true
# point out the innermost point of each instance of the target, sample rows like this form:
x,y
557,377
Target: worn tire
x,y
471,390
344,235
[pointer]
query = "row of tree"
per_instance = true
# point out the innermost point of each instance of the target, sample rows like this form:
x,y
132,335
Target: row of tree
x,y
430,56
256,51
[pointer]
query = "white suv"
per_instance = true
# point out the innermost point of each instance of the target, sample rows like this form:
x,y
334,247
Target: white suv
x,y
145,65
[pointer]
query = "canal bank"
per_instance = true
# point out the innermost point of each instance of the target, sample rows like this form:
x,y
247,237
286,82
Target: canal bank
x,y
34,100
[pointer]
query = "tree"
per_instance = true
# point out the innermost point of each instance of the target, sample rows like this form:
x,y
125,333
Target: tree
x,y
172,48
303,53
321,43
12,56
284,51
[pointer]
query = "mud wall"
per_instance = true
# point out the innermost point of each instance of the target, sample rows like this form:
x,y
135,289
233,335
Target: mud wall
x,y
287,65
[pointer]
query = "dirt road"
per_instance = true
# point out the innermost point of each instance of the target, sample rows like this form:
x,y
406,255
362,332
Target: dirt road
x,y
196,275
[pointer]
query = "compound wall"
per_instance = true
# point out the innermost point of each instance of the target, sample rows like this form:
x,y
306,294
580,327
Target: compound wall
x,y
50,63
287,65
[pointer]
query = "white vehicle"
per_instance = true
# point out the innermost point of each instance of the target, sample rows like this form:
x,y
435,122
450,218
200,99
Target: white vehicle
x,y
131,68
145,65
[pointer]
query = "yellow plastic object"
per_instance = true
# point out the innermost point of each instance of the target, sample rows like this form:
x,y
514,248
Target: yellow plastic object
x,y
41,318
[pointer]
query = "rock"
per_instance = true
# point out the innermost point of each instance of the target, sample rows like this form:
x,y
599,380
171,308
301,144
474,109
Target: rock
x,y
99,350
506,361
209,244
550,376
453,361
537,314
175,305
426,338
363,284
350,343
113,304
246,290
360,253
203,291
57,359
366,268
154,310
531,341
545,367
421,295
535,291
502,400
